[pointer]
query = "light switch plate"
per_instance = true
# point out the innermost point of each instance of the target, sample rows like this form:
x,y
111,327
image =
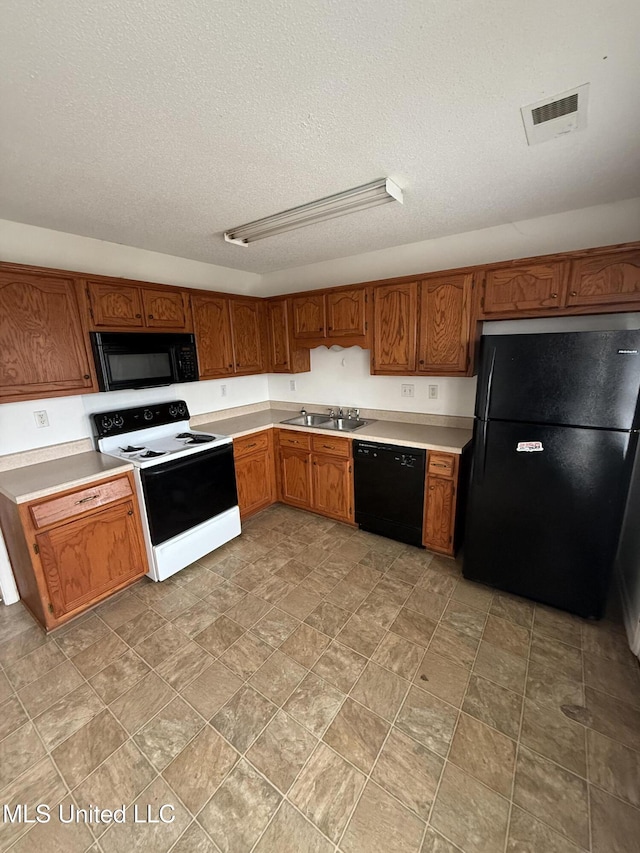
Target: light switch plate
x,y
433,392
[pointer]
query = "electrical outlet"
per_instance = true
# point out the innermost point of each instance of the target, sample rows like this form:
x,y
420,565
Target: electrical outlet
x,y
42,419
407,390
433,392
292,385
223,390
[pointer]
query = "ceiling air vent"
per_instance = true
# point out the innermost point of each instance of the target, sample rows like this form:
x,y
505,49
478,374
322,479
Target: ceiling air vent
x,y
556,116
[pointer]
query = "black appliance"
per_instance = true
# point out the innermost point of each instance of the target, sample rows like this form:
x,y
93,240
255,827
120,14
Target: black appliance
x,y
389,490
143,359
555,439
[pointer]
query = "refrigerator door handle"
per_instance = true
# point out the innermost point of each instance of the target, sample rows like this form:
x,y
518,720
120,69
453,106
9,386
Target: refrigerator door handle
x,y
487,398
480,452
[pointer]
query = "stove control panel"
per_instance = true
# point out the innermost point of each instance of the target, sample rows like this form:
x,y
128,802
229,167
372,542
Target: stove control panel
x,y
139,417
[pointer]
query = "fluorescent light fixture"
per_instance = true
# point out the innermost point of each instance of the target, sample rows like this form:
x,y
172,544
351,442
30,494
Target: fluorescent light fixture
x,y
331,207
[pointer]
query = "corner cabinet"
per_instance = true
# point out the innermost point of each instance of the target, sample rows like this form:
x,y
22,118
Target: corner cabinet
x,y
75,548
395,319
255,472
283,354
45,350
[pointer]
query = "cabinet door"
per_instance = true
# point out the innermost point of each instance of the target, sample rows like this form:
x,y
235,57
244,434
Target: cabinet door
x,y
41,338
395,316
332,487
439,514
605,280
255,481
443,345
346,313
246,328
85,559
165,309
308,316
278,334
115,305
212,327
295,477
520,289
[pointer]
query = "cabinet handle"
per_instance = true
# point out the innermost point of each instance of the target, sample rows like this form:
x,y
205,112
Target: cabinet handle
x,y
573,293
554,295
151,316
431,488
331,328
421,361
138,316
328,446
87,376
231,365
440,465
88,498
130,512
237,364
251,445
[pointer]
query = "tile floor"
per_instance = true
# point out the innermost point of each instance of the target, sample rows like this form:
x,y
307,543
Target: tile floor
x,y
310,688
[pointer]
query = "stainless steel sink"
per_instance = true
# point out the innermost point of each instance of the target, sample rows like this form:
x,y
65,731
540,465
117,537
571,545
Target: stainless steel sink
x,y
325,422
308,420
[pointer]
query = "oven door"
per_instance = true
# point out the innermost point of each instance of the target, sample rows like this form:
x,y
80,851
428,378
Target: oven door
x,y
182,494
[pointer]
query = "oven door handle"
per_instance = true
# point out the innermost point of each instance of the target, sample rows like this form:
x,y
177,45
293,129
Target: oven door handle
x,y
167,467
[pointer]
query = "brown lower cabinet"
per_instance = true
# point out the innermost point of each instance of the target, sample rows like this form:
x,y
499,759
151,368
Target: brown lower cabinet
x,y
73,549
255,472
440,502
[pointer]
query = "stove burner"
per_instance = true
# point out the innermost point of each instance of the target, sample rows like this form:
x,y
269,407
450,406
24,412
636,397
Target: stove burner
x,y
131,449
149,454
193,438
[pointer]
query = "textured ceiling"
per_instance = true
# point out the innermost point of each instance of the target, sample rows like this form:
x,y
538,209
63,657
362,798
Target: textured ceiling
x,y
160,124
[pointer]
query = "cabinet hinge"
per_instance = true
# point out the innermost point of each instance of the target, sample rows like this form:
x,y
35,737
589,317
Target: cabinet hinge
x,y
50,607
36,548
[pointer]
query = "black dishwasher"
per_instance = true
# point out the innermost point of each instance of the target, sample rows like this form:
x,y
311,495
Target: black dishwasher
x,y
389,490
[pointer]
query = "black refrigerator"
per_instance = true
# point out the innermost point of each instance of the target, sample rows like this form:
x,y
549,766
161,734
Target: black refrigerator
x,y
555,440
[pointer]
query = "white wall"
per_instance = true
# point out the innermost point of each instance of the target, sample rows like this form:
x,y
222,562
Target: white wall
x,y
27,244
602,225
341,378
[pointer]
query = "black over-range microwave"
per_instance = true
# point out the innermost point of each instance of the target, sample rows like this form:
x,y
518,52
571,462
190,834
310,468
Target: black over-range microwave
x,y
143,359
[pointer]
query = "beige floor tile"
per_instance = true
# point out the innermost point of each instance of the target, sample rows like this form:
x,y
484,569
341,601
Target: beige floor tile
x,y
611,677
438,583
357,734
281,750
565,660
326,791
340,666
243,717
394,590
613,718
436,843
18,753
377,608
474,594
300,602
305,645
184,665
328,618
81,634
168,732
406,571
156,837
44,691
141,702
614,767
443,678
239,811
615,825
83,751
161,644
549,732
277,677
427,719
507,635
200,768
293,572
502,667
380,690
458,648
41,783
348,595
380,823
429,603
484,753
469,813
140,627
119,676
289,832
221,634
56,835
100,654
27,641
246,655
172,605
12,716
597,639
211,689
377,560
558,624
409,771
464,619
314,703
514,609
6,690
493,705
117,781
68,715
273,589
248,611
546,686
194,840
194,620
275,627
528,835
361,634
398,655
552,794
224,596
413,626
33,666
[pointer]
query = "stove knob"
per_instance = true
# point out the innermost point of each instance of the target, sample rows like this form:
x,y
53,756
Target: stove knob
x,y
173,410
182,409
118,421
106,423
147,415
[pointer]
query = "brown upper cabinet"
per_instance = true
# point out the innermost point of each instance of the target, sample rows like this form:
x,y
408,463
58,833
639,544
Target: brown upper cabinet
x,y
129,306
346,313
283,355
395,320
247,335
605,279
309,316
445,325
518,290
44,348
212,327
338,316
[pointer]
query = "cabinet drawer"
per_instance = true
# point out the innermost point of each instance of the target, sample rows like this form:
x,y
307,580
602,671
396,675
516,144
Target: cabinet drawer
x,y
331,445
254,443
441,464
290,438
68,506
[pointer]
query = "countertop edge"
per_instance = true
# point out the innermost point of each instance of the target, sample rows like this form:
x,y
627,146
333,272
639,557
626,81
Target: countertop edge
x,y
69,484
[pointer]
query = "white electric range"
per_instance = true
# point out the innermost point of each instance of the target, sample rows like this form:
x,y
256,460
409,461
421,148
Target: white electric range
x,y
185,481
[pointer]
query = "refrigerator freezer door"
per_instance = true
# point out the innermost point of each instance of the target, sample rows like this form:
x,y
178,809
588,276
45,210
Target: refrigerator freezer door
x,y
575,378
545,509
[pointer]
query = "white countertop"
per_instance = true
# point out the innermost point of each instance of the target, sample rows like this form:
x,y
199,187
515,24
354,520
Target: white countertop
x,y
47,478
447,439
